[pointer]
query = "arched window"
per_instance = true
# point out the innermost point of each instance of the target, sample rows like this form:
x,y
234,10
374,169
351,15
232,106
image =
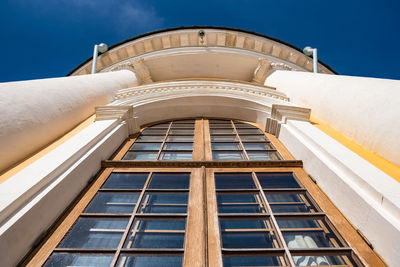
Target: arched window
x,y
201,192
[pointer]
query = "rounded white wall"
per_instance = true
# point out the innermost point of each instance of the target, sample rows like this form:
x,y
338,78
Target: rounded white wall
x,y
365,110
37,112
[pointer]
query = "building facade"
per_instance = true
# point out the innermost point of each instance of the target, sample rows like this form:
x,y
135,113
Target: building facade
x,y
200,146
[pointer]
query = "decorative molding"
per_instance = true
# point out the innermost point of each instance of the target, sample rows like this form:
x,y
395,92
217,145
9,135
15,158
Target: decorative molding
x,y
124,114
262,71
229,39
146,91
138,66
196,164
281,66
280,114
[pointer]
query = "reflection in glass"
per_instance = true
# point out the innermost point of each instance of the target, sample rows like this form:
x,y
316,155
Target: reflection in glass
x,y
221,131
223,155
181,131
164,203
234,181
298,223
79,259
227,138
175,156
283,197
245,138
151,131
126,180
178,146
180,138
140,260
169,181
258,146
145,146
112,203
133,155
307,239
267,155
150,138
95,233
318,260
249,131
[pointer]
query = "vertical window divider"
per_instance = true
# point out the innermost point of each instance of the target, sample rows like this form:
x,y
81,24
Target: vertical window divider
x,y
240,141
130,222
164,140
273,220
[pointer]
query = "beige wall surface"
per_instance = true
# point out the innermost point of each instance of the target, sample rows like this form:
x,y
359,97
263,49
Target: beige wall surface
x,y
35,113
365,110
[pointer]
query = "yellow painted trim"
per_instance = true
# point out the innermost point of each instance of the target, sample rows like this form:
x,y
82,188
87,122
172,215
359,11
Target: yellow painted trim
x,y
381,163
23,164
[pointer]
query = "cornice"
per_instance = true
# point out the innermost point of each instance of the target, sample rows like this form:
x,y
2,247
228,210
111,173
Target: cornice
x,y
159,89
213,37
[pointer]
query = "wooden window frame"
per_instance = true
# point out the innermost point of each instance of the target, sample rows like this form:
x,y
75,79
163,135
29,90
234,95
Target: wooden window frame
x,y
202,245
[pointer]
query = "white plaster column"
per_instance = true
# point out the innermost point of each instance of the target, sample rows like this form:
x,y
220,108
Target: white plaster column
x,y
365,195
32,200
37,112
365,110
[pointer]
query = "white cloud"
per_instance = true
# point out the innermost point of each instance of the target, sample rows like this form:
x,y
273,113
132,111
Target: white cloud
x,y
122,15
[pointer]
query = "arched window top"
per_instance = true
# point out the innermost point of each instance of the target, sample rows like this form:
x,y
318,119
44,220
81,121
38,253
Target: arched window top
x,y
202,139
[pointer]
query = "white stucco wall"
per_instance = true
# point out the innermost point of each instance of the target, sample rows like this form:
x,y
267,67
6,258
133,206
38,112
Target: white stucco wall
x,y
35,113
365,110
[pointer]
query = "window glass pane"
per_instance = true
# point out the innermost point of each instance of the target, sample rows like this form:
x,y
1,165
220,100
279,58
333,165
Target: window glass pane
x,y
164,203
218,126
247,240
289,208
95,233
258,146
113,203
184,121
244,125
283,197
249,131
163,234
181,131
239,203
182,125
79,259
176,156
277,180
228,138
119,180
219,121
160,125
225,146
267,155
180,139
231,261
178,146
222,131
231,155
133,155
253,138
150,138
145,146
141,260
318,260
298,223
169,181
317,239
243,224
234,181
150,131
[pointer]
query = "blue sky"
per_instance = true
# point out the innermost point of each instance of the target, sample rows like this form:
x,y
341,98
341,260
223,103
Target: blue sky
x,y
48,38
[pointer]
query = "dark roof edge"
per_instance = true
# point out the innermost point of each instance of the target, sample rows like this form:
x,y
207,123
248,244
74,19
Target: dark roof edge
x,y
201,27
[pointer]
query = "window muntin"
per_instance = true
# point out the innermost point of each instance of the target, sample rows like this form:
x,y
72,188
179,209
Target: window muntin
x,y
259,219
164,141
231,140
234,200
